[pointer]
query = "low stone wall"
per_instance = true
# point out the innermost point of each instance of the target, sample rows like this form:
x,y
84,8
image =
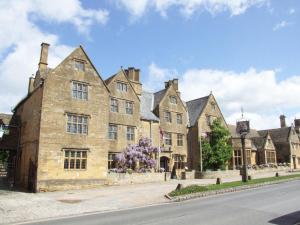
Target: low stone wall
x,y
188,175
236,173
136,178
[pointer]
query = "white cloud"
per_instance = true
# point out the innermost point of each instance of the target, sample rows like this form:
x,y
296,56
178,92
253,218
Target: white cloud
x,y
261,95
282,25
156,76
292,11
20,38
189,7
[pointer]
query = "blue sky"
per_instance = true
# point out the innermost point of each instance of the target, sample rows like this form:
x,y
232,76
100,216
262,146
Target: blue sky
x,y
246,51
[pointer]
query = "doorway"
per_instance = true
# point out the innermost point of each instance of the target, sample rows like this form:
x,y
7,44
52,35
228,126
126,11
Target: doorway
x,y
164,163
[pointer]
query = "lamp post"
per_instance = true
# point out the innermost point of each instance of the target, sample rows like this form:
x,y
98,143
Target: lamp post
x,y
243,128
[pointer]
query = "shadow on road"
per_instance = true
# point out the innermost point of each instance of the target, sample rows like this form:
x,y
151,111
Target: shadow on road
x,y
288,219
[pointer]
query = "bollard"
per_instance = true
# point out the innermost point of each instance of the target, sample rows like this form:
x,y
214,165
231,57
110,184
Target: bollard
x,y
179,187
219,180
249,177
277,174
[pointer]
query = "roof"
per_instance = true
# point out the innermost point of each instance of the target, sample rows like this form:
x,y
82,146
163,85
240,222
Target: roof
x,y
147,100
195,108
108,80
5,118
277,135
259,142
158,97
232,129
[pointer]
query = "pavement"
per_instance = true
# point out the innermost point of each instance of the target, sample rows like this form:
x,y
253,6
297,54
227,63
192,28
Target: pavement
x,y
277,204
20,207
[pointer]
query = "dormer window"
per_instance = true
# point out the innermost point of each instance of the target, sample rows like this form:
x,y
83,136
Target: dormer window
x,y
79,65
173,100
122,87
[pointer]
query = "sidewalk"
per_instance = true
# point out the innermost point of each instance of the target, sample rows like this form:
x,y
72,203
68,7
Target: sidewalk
x,y
18,206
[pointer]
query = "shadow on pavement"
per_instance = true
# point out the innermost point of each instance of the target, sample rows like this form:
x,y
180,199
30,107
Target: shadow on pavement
x,y
288,219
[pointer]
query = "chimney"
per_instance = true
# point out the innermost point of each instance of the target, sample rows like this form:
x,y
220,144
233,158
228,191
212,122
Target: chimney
x,y
44,56
282,121
133,76
297,125
173,82
31,85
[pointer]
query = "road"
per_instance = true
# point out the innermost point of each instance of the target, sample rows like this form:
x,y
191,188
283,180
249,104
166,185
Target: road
x,y
277,204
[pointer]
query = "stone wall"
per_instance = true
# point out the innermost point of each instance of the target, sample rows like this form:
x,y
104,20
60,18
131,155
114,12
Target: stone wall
x,y
136,178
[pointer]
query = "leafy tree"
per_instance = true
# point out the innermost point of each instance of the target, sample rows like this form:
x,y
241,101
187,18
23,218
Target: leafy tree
x,y
216,149
142,153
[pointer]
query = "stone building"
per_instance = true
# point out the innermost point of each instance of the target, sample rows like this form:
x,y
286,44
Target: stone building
x,y
124,111
63,124
287,144
172,113
202,112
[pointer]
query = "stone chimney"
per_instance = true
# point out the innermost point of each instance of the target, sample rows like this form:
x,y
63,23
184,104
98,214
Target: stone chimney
x,y
297,125
31,84
133,76
282,121
175,84
44,56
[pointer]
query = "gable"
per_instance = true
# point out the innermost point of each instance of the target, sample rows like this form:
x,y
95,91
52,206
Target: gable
x,y
165,100
269,142
122,78
68,64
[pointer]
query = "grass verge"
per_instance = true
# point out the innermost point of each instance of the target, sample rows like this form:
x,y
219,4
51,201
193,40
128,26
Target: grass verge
x,y
213,187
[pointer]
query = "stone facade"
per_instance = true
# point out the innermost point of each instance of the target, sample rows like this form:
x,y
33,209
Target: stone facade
x,y
202,112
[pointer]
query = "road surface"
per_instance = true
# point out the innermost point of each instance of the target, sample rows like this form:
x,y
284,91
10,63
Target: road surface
x,y
277,204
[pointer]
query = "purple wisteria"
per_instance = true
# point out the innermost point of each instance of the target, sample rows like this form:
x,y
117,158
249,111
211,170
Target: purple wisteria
x,y
141,154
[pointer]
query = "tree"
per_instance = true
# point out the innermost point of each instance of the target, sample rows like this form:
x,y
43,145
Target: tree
x,y
216,149
141,153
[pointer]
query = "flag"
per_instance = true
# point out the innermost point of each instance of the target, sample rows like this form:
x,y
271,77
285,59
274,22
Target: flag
x,y
161,134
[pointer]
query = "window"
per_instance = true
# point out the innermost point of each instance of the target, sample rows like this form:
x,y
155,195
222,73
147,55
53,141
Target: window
x,y
270,157
112,160
79,65
168,117
77,124
168,138
113,132
173,100
80,90
122,86
237,158
129,108
179,139
248,155
75,159
179,118
114,106
130,133
178,161
213,106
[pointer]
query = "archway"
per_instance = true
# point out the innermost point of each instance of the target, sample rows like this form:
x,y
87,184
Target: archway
x,y
164,163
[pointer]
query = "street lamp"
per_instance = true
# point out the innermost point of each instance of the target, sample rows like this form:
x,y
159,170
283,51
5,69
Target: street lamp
x,y
243,128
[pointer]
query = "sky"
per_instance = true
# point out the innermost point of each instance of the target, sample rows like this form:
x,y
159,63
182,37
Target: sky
x,y
247,52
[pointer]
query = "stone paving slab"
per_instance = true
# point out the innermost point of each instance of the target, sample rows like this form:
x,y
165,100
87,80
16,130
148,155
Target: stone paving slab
x,y
19,206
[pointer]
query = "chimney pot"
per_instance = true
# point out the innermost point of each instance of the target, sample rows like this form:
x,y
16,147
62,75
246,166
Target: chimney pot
x,y
44,56
282,121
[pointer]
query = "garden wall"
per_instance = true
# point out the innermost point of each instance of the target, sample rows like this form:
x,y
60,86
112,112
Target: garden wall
x,y
136,178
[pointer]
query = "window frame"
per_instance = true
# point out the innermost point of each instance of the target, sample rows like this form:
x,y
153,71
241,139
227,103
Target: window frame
x,y
114,107
130,136
113,134
121,86
111,163
77,124
129,110
168,119
173,99
69,158
83,91
168,140
180,140
179,119
79,68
